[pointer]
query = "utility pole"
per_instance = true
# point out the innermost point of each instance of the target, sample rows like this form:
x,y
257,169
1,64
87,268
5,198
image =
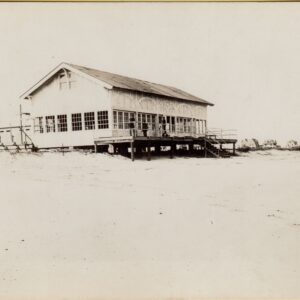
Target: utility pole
x,y
21,124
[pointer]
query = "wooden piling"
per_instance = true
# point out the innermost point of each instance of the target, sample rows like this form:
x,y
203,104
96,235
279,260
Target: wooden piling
x,y
172,149
132,150
148,150
191,148
157,149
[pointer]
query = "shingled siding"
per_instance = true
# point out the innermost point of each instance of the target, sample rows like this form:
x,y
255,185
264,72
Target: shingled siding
x,y
138,102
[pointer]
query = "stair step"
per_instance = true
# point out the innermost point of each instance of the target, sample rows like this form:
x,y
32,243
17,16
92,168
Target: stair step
x,y
16,147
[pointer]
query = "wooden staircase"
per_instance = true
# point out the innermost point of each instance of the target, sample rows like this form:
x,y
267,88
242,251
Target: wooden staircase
x,y
213,151
18,147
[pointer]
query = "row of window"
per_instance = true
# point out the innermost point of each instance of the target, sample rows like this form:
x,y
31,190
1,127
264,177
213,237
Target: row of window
x,y
79,121
187,125
148,119
121,120
124,119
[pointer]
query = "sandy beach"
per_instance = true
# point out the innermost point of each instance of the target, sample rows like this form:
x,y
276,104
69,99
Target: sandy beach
x,y
92,226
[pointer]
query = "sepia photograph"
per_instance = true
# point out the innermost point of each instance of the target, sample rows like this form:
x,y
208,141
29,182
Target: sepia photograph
x,y
149,151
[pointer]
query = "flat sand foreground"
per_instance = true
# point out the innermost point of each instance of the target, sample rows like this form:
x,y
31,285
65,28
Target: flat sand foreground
x,y
91,226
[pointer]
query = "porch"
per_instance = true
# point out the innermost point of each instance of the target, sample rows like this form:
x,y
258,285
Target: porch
x,y
135,143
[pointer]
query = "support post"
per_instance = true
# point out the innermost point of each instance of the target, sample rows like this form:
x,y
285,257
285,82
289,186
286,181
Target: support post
x,y
157,149
205,149
148,150
172,150
95,148
191,148
233,148
138,149
132,150
21,124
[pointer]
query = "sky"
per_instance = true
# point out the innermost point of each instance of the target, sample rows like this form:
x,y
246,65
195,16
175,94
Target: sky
x,y
243,57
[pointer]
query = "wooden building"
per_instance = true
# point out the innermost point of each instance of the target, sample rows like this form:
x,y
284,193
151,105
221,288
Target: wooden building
x,y
75,106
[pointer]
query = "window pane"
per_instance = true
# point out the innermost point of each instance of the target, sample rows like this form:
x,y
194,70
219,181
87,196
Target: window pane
x,y
66,80
89,120
153,122
102,119
76,122
50,124
120,120
139,121
173,124
126,120
115,119
62,123
38,125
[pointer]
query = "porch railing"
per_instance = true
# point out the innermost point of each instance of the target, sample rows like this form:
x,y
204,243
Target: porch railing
x,y
219,133
159,132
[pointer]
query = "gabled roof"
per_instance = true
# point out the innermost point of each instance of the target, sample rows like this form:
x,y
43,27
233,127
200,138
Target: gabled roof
x,y
111,81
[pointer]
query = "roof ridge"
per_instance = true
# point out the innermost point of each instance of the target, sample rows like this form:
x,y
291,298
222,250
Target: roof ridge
x,y
107,72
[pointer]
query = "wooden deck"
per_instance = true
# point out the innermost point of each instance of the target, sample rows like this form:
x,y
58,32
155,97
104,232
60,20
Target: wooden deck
x,y
206,146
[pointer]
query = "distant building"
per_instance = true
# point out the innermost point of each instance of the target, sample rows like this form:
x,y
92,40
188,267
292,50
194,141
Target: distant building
x,y
74,105
270,144
252,144
292,144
